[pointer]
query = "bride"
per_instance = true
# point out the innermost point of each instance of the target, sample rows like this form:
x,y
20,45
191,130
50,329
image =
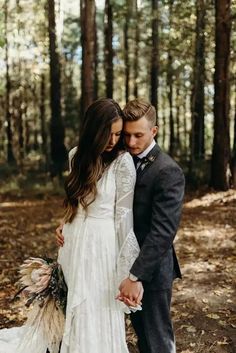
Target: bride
x,y
99,244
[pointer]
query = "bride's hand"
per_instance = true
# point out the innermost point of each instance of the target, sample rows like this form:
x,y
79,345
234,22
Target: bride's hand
x,y
59,235
131,293
126,300
132,290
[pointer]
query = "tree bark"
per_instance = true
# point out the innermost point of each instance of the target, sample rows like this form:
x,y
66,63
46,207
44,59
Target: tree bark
x,y
19,97
233,163
10,155
108,54
221,144
178,104
163,125
136,50
170,87
58,150
155,56
96,61
198,124
87,15
43,121
126,49
186,135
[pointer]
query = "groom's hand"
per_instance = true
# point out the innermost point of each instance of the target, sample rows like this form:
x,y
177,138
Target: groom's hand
x,y
131,292
59,235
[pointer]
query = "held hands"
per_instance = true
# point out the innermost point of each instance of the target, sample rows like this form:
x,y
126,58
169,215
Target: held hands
x,y
131,293
59,235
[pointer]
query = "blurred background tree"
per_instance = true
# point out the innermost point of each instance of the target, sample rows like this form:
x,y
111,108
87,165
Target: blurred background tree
x,y
57,56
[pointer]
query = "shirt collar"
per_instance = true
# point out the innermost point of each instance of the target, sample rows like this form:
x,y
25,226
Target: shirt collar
x,y
147,150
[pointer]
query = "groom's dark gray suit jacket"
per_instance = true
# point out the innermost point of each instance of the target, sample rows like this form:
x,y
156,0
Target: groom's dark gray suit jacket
x,y
158,198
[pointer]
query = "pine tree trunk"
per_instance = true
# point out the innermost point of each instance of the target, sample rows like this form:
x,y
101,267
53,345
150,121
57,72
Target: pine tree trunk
x,y
126,51
170,88
136,49
198,128
27,137
19,98
163,125
96,61
233,163
58,150
178,141
221,143
170,100
185,112
87,15
20,129
10,155
43,121
155,54
108,55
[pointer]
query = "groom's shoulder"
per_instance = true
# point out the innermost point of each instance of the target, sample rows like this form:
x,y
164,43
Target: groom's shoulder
x,y
165,162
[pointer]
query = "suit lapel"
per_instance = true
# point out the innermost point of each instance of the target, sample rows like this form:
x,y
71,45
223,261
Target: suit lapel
x,y
150,158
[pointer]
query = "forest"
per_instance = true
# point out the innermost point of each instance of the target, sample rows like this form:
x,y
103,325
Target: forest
x,y
56,58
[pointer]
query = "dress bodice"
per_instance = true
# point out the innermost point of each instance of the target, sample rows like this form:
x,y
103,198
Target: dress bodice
x,y
103,205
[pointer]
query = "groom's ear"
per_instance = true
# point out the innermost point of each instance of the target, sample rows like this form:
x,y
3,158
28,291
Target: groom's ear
x,y
154,130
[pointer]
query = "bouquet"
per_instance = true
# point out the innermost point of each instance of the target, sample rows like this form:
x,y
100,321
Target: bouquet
x,y
43,285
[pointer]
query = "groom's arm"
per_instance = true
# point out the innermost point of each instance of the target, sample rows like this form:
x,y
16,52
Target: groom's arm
x,y
166,211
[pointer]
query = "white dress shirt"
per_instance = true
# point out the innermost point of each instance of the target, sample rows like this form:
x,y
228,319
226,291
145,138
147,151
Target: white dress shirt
x,y
145,152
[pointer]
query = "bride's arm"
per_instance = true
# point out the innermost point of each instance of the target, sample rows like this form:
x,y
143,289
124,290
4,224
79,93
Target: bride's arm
x,y
128,245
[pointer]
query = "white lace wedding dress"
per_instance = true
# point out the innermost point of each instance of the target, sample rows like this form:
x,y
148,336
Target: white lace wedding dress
x,y
98,252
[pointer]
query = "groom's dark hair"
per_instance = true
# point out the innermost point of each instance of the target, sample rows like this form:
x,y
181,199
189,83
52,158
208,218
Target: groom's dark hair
x,y
139,108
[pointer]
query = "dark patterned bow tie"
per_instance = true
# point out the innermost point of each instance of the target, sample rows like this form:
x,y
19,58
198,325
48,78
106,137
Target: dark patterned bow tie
x,y
139,160
136,160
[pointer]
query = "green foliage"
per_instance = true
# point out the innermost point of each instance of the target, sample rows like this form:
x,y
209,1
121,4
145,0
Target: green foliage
x,y
28,48
2,30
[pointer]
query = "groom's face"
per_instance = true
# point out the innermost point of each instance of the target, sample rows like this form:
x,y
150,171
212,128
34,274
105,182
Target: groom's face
x,y
138,135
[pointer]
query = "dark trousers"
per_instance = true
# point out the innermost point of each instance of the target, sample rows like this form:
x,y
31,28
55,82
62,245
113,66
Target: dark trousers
x,y
153,324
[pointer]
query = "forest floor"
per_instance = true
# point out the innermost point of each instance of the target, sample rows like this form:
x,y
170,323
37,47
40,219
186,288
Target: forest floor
x,y
204,306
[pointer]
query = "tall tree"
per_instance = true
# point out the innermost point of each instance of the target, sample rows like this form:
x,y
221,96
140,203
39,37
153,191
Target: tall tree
x,y
19,94
170,84
233,163
87,15
108,48
178,105
198,125
126,49
43,119
221,143
136,49
185,132
57,131
154,56
10,155
96,56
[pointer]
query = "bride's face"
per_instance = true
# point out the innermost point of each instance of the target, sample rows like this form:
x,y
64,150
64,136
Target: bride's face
x,y
116,129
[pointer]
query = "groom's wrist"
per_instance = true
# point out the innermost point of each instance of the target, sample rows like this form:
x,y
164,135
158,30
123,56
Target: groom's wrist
x,y
132,277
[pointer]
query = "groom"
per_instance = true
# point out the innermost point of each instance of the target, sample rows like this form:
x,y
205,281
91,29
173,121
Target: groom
x,y
157,207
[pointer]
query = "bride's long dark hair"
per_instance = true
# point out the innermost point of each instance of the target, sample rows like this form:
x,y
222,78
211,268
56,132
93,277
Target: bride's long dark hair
x,y
90,159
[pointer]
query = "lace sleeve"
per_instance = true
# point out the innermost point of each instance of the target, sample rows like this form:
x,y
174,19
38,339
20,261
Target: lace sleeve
x,y
128,245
